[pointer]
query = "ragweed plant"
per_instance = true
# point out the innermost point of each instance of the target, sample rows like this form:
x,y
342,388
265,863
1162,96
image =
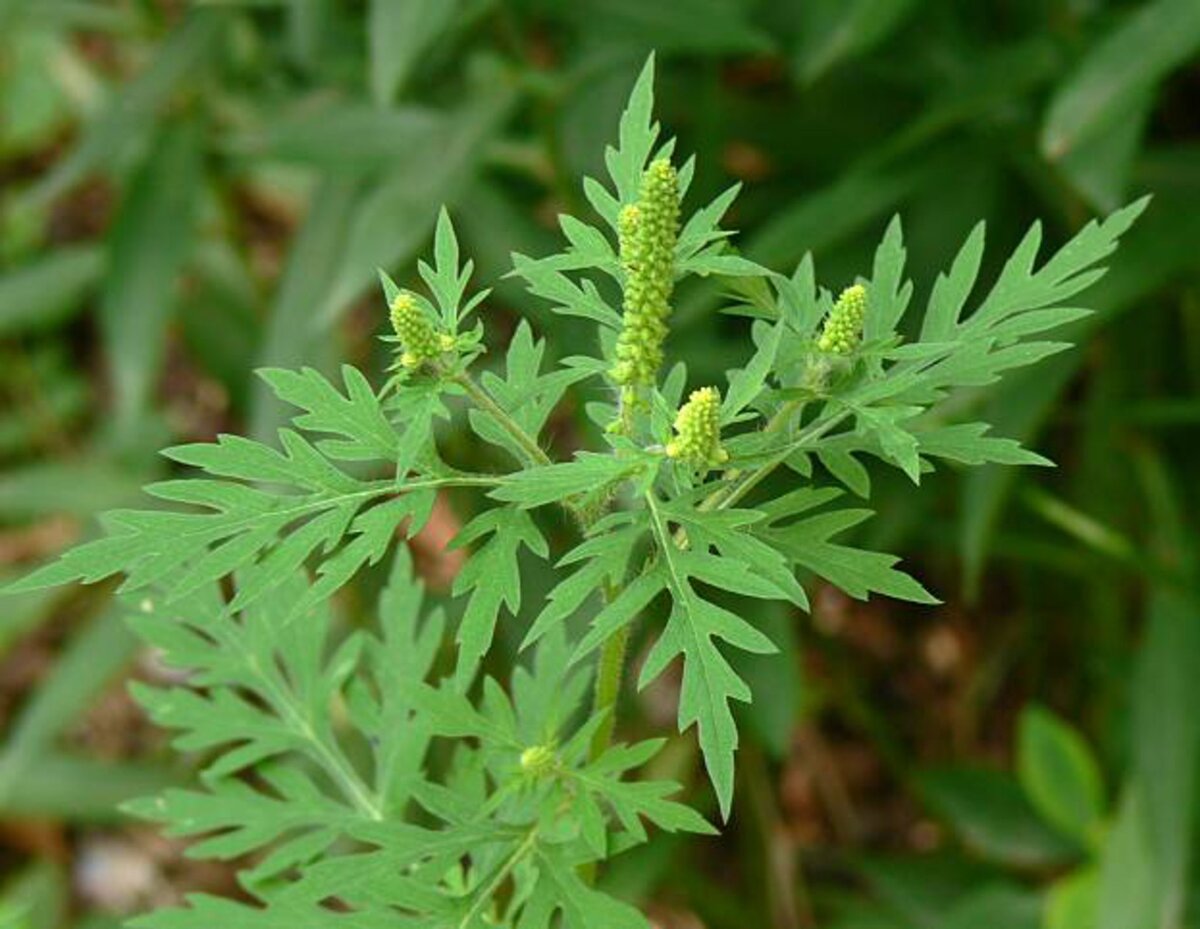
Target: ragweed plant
x,y
374,785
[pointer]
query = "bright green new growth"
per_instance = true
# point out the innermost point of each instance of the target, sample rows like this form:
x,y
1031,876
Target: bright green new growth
x,y
419,342
843,327
647,235
538,760
374,780
698,430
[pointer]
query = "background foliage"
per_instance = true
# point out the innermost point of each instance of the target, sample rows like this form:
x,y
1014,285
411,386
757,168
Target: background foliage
x,y
192,191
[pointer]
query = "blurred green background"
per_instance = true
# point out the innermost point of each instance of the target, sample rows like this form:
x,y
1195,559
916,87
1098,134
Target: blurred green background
x,y
194,190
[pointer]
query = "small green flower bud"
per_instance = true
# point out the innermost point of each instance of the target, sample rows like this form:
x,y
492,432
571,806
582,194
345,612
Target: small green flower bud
x,y
627,227
416,334
538,760
647,232
698,430
843,326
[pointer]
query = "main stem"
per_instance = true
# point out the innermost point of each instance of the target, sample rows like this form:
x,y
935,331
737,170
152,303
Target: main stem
x,y
610,668
611,663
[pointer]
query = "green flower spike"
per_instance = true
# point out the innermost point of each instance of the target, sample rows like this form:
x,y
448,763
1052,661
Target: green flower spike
x,y
843,327
412,326
647,232
698,430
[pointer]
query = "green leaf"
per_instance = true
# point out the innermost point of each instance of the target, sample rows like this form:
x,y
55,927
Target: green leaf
x,y
493,575
147,249
268,684
898,444
392,219
966,443
38,895
131,112
888,294
634,801
606,559
313,135
33,105
447,280
1000,904
76,488
805,542
951,289
567,298
1072,901
636,134
204,911
1101,167
400,31
746,383
588,474
1130,880
730,532
240,525
525,394
1059,774
356,416
91,661
774,717
836,31
709,682
834,212
1155,255
702,233
1154,39
580,905
291,338
1166,748
64,787
48,291
993,817
1068,272
919,890
847,469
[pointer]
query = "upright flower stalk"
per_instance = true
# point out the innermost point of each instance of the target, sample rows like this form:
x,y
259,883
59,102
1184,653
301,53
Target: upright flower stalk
x,y
647,232
418,341
843,327
698,431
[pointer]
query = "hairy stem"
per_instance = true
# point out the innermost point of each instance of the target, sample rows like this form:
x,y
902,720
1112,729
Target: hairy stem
x,y
611,663
610,669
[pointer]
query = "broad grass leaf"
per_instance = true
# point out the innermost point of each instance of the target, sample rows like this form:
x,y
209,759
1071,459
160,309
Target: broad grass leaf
x,y
147,249
1154,39
1060,775
50,290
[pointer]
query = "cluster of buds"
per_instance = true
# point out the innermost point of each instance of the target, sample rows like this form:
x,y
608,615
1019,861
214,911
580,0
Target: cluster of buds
x,y
843,326
698,430
418,339
647,232
538,761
